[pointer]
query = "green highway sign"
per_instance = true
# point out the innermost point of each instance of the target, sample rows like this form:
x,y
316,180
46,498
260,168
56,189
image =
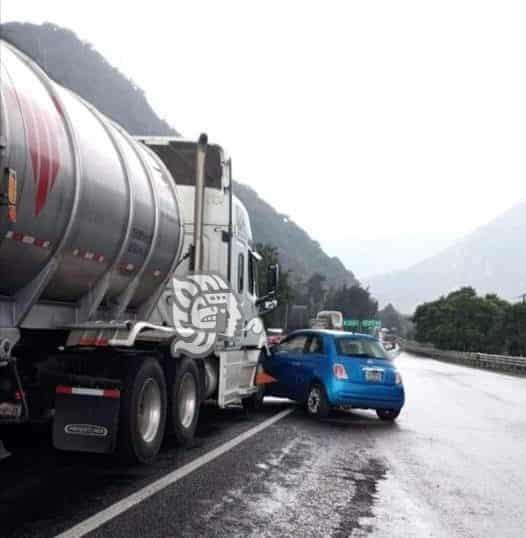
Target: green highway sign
x,y
361,324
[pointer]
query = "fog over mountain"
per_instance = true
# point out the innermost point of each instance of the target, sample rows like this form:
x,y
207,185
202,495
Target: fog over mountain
x,y
377,256
492,259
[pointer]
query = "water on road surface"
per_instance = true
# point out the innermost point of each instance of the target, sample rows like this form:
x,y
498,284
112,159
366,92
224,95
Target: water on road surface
x,y
452,465
456,463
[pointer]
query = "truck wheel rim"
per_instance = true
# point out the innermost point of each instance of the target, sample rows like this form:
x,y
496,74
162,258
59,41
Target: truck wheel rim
x,y
187,400
149,416
313,403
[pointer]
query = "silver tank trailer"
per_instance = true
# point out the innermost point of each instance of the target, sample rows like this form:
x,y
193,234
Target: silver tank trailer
x,y
98,229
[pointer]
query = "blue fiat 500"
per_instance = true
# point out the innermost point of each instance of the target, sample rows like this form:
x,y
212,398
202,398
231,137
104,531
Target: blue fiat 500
x,y
325,369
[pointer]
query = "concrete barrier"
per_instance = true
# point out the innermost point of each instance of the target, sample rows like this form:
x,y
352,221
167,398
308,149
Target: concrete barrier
x,y
503,363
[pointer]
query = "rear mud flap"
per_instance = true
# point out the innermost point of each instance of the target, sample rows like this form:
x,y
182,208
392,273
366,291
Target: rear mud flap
x,y
86,420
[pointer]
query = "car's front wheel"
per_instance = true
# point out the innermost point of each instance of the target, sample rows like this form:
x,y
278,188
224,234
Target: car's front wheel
x,y
317,402
389,415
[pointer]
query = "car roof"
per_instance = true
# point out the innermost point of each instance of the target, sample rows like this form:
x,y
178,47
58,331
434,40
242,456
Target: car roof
x,y
336,334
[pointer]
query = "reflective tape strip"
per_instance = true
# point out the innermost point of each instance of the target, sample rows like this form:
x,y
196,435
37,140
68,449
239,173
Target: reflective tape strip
x,y
27,239
93,341
81,391
128,268
88,255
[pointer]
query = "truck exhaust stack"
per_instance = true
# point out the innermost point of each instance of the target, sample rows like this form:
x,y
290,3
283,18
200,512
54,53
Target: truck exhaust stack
x,y
199,204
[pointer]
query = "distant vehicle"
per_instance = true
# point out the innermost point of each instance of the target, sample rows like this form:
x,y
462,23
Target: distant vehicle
x,y
328,319
274,336
389,341
326,369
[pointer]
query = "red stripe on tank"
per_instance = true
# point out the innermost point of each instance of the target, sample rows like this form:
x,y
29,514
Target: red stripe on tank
x,y
42,140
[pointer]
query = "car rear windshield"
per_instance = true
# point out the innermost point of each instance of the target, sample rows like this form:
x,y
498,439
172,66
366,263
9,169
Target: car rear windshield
x,y
355,347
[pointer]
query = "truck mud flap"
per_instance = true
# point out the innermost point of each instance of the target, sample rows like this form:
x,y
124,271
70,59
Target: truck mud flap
x,y
86,419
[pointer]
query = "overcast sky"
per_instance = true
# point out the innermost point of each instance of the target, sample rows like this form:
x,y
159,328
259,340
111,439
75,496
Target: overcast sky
x,y
360,120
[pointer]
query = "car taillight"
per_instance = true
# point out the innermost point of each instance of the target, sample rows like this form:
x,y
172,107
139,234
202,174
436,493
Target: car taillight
x,y
398,378
339,371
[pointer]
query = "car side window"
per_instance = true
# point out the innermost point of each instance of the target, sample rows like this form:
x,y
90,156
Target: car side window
x,y
315,345
296,344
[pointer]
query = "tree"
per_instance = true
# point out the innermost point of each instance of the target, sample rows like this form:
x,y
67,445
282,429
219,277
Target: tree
x,y
354,302
315,293
514,329
285,292
464,321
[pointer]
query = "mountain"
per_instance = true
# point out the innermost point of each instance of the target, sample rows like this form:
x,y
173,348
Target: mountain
x,y
77,65
492,259
297,251
369,257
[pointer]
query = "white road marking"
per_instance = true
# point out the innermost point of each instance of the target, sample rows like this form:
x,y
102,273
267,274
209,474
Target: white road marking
x,y
99,519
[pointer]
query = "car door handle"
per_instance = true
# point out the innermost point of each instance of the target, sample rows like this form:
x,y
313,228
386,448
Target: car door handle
x,y
295,363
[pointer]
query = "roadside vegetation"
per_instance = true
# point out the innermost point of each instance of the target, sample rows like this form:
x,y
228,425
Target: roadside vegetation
x,y
301,298
464,321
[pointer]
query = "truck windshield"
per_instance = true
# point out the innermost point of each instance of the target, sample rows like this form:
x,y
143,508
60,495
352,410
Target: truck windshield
x,y
355,347
179,158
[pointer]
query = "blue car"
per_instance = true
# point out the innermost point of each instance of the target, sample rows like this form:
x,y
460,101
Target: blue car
x,y
325,369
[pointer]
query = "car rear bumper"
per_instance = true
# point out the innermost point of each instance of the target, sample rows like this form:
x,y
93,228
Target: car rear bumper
x,y
367,397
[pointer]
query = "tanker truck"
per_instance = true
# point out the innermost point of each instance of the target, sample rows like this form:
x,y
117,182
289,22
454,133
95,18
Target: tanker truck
x,y
128,281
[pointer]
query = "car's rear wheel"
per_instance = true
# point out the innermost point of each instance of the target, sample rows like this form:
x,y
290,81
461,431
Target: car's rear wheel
x,y
389,415
317,402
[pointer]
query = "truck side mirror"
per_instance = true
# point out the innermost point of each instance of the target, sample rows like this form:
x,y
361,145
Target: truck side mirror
x,y
273,279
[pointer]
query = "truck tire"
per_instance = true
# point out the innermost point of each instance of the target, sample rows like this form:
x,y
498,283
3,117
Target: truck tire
x,y
143,411
185,400
255,401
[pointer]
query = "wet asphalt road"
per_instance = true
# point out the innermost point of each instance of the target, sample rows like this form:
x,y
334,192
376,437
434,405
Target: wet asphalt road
x,y
453,465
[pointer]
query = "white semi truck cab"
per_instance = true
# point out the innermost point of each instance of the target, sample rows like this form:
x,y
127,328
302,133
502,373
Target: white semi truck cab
x,y
128,280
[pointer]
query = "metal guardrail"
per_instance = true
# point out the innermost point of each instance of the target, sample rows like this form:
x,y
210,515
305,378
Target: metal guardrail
x,y
504,363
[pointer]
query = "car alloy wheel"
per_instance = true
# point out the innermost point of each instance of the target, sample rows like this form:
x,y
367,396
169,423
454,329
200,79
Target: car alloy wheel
x,y
313,401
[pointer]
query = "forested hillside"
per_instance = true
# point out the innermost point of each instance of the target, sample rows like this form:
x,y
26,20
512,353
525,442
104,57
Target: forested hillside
x,y
297,251
78,66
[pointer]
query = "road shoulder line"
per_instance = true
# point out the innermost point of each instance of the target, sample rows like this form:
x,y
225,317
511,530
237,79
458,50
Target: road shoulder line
x,y
102,517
